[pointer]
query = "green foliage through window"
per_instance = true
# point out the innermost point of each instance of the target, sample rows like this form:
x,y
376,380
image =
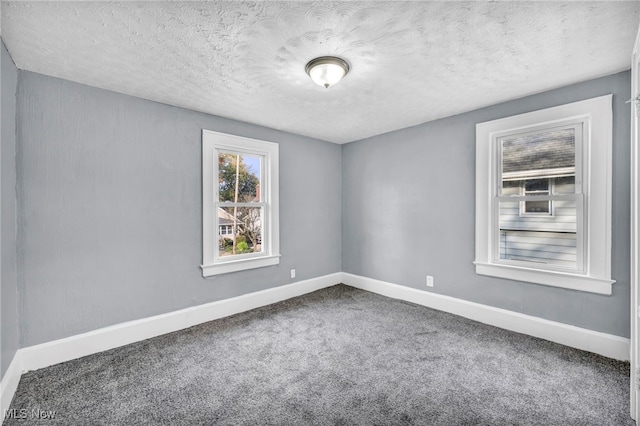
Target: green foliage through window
x,y
232,165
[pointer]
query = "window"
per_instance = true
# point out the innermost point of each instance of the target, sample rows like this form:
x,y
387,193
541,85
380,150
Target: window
x,y
240,201
536,187
543,196
226,230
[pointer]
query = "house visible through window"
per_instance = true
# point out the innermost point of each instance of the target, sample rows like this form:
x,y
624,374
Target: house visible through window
x,y
536,228
240,201
539,177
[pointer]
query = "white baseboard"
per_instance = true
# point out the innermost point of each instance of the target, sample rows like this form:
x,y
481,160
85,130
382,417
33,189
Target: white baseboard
x,y
581,338
54,352
9,383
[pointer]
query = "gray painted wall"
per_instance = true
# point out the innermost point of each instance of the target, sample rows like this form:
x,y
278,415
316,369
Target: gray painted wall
x,y
109,202
408,202
9,291
109,196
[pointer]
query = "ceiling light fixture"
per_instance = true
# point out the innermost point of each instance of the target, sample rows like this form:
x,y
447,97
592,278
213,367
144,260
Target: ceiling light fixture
x,y
326,71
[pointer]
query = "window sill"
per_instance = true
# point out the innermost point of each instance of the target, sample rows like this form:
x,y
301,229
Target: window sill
x,y
550,278
239,265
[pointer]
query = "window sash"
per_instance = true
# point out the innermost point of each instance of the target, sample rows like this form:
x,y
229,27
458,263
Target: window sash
x,y
232,204
261,155
264,219
580,232
580,127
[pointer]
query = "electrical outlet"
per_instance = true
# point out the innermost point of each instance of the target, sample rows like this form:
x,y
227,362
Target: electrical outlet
x,y
293,273
429,281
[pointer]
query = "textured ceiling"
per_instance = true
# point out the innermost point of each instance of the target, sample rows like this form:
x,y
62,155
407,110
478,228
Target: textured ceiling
x,y
411,62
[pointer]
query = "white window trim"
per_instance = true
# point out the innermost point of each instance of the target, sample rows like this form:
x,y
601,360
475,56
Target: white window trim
x,y
211,143
596,160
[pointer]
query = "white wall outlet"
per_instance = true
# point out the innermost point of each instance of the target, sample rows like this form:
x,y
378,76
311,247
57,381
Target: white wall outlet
x,y
429,281
293,273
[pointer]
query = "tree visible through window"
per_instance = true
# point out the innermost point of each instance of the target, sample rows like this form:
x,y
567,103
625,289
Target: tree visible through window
x,y
239,184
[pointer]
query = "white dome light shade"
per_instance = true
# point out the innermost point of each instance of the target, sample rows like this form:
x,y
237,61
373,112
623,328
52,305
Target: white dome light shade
x,y
327,70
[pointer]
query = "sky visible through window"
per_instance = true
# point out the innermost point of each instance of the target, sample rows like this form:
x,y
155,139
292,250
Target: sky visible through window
x,y
253,164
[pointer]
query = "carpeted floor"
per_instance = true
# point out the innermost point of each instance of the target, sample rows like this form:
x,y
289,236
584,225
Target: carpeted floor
x,y
339,356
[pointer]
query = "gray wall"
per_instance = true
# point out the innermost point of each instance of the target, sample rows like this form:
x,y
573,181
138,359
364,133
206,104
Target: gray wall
x,y
9,291
109,202
109,196
408,202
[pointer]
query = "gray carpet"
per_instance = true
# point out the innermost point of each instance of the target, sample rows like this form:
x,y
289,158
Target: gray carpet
x,y
339,356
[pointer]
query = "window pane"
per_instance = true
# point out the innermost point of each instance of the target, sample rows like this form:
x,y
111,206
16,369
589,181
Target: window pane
x,y
537,206
241,230
538,185
511,187
565,185
549,240
247,185
535,158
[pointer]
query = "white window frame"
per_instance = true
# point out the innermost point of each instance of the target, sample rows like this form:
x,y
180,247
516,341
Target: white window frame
x,y
593,163
212,144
